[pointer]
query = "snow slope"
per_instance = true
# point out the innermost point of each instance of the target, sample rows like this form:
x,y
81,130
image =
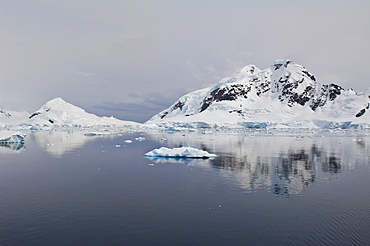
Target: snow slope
x,y
12,117
283,95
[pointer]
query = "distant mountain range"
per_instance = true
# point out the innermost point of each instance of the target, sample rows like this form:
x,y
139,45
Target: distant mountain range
x,y
283,95
58,112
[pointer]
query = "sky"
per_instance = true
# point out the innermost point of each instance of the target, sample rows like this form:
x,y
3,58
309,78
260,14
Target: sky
x,y
133,59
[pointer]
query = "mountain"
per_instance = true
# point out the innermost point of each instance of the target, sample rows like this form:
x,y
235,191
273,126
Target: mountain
x,y
58,112
283,95
61,113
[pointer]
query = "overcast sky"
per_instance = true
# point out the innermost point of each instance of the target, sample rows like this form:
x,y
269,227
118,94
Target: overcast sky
x,y
132,59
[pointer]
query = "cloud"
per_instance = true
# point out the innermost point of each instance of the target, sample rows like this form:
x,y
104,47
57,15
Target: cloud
x,y
83,74
148,105
143,55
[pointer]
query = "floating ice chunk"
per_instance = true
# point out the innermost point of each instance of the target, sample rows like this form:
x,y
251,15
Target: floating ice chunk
x,y
10,137
140,139
183,152
118,146
128,141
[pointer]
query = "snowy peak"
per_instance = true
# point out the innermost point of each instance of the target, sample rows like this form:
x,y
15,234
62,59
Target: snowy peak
x,y
59,103
59,112
288,81
56,105
285,91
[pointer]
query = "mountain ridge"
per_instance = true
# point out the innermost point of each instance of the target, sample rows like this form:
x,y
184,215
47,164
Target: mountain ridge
x,y
58,112
283,93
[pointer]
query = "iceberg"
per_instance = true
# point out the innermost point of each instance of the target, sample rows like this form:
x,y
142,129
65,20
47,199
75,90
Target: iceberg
x,y
10,137
183,152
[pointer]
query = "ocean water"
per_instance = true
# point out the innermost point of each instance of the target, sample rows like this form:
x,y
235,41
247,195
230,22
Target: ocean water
x,y
263,189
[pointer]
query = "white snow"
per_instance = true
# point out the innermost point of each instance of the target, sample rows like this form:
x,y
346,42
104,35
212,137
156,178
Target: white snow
x,y
183,152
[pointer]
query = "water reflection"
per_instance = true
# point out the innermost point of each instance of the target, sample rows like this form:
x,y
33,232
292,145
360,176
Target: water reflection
x,y
58,143
12,147
186,161
284,165
287,173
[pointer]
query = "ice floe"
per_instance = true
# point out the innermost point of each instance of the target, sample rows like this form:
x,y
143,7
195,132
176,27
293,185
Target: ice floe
x,y
183,152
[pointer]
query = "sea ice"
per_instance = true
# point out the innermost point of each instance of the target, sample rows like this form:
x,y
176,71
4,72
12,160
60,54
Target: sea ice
x,y
183,152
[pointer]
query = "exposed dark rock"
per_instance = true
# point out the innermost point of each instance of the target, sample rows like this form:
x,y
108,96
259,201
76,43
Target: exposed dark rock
x,y
239,111
33,115
287,63
277,66
334,91
178,105
229,93
309,75
51,121
361,113
164,115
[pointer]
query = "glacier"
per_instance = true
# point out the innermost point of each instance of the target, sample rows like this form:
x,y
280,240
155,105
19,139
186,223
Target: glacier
x,y
285,95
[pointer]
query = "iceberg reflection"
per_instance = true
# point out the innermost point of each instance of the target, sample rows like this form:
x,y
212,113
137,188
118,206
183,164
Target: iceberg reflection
x,y
12,147
186,161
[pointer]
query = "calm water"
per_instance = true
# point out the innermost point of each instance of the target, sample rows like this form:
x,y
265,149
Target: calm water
x,y
263,189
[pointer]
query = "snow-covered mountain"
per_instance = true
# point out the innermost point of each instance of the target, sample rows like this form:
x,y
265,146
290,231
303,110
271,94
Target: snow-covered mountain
x,y
283,95
58,112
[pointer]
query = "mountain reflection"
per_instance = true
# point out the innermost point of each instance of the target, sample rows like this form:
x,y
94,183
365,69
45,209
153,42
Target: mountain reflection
x,y
58,143
288,173
284,164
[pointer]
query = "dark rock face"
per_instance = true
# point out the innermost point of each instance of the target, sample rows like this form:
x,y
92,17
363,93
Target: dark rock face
x,y
33,115
226,94
330,92
164,115
361,113
178,105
